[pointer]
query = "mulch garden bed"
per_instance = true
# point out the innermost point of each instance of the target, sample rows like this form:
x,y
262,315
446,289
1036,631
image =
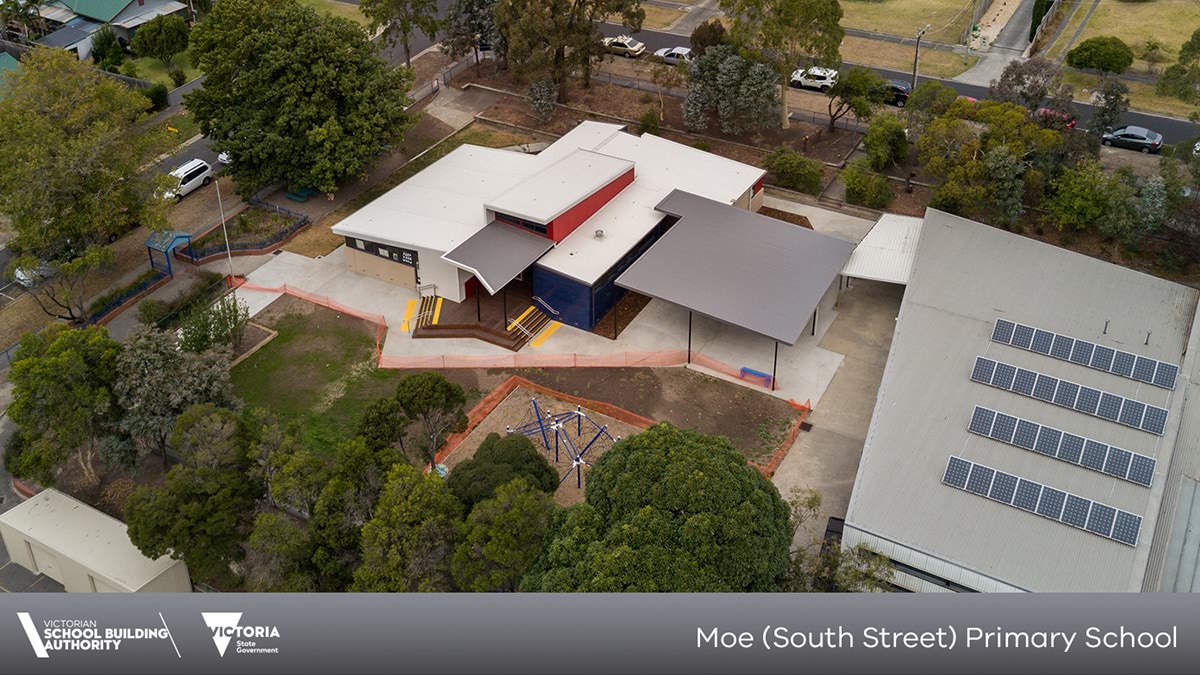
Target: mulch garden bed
x,y
627,309
786,216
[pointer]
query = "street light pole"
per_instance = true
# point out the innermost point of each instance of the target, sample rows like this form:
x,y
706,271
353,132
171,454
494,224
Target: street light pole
x,y
225,232
917,55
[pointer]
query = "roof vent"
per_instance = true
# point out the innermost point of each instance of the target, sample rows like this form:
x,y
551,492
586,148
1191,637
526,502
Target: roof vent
x,y
599,234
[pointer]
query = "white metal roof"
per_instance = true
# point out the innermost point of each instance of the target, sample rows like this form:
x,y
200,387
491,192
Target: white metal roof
x,y
88,536
965,276
559,186
886,253
137,14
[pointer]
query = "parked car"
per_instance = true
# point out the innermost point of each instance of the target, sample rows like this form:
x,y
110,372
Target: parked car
x,y
1133,138
896,93
225,159
1044,115
623,45
970,99
31,277
821,79
191,176
674,55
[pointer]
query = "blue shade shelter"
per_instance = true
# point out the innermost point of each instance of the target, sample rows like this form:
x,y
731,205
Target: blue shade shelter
x,y
164,243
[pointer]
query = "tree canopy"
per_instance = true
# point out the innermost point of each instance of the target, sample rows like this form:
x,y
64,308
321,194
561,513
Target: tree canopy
x,y
504,537
401,19
295,97
1182,79
859,90
434,401
743,94
161,38
670,510
499,460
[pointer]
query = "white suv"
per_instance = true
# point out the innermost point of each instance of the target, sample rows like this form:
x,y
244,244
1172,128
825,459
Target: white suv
x,y
821,79
191,175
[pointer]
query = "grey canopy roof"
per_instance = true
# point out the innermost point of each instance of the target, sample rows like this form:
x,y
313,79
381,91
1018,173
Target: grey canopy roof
x,y
497,253
736,266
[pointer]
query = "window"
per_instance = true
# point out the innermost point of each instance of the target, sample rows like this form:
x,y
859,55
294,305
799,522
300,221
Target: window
x,y
522,223
382,252
362,245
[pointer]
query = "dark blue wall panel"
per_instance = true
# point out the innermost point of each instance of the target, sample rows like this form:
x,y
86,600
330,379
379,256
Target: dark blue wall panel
x,y
571,299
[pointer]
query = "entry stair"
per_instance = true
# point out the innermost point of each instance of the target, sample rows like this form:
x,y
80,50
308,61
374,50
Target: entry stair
x,y
520,330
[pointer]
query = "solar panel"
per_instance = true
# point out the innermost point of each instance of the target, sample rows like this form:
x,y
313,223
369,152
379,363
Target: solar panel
x,y
1004,376
1164,376
1003,332
1081,353
1102,357
1123,364
1155,420
1051,503
1061,349
980,480
1022,336
1093,455
1131,413
1047,441
1110,407
1024,381
1004,427
1143,369
1027,495
1075,512
1044,389
957,471
1004,486
981,421
1100,520
983,370
1088,401
1042,341
1117,463
1065,396
1071,448
1026,434
1126,528
1141,470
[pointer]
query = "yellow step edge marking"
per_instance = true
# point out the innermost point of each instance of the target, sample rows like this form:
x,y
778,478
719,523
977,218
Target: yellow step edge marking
x,y
437,311
409,310
519,319
554,325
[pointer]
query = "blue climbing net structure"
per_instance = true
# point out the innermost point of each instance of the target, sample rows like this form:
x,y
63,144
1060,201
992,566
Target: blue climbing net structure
x,y
570,433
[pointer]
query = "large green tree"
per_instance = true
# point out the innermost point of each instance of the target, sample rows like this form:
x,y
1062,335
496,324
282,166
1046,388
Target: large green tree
x,y
1182,79
205,510
63,400
670,510
1112,101
551,38
468,25
278,556
788,33
161,38
74,150
860,91
401,19
742,93
295,97
499,460
408,544
436,403
504,537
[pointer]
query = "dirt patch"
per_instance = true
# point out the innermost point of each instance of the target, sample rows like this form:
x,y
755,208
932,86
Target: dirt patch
x,y
516,410
909,204
1142,164
627,309
428,66
786,216
254,337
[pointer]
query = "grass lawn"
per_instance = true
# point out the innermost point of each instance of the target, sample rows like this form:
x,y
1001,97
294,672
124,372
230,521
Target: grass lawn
x,y
344,10
1059,48
947,18
934,62
153,70
184,124
1171,23
1141,95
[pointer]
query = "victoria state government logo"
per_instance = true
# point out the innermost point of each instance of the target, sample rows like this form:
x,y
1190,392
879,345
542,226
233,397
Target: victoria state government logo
x,y
226,627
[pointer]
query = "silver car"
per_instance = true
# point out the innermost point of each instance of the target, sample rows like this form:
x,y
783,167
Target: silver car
x,y
674,55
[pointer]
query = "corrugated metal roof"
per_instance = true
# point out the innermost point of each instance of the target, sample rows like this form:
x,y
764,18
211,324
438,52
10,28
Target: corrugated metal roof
x,y
90,537
136,15
550,192
498,253
738,267
101,10
966,275
886,253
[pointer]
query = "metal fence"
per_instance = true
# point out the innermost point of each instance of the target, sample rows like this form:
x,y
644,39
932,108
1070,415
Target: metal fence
x,y
6,356
298,220
444,78
124,297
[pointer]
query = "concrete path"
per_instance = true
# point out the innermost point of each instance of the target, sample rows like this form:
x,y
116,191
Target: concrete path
x,y
833,223
1015,34
1008,46
458,108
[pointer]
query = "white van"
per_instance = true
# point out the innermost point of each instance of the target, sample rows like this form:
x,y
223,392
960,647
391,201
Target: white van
x,y
192,175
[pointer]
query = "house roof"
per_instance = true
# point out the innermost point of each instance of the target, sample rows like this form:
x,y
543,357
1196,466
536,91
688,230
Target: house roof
x,y
736,266
135,15
560,185
83,534
886,253
8,63
66,36
100,10
965,276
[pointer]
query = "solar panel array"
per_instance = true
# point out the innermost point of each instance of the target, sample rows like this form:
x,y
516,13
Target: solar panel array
x,y
1045,501
1086,400
1158,373
1051,442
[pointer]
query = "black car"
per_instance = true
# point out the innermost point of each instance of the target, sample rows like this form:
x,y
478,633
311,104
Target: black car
x,y
1134,138
896,93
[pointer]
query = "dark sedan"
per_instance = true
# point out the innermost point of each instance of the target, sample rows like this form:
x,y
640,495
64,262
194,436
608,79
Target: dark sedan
x,y
896,93
1134,138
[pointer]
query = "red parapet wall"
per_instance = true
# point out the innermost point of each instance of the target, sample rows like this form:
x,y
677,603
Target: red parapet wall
x,y
577,215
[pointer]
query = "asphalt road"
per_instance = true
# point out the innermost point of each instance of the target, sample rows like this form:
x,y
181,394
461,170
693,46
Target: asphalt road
x,y
1173,130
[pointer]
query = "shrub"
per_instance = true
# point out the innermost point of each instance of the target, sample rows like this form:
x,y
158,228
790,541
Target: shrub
x,y
648,122
647,98
157,94
499,460
1105,52
708,34
169,314
543,94
866,187
147,277
151,311
886,142
222,324
130,69
793,170
177,75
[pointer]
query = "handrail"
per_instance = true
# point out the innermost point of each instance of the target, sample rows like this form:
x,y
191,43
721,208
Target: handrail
x,y
413,322
545,304
424,287
524,331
